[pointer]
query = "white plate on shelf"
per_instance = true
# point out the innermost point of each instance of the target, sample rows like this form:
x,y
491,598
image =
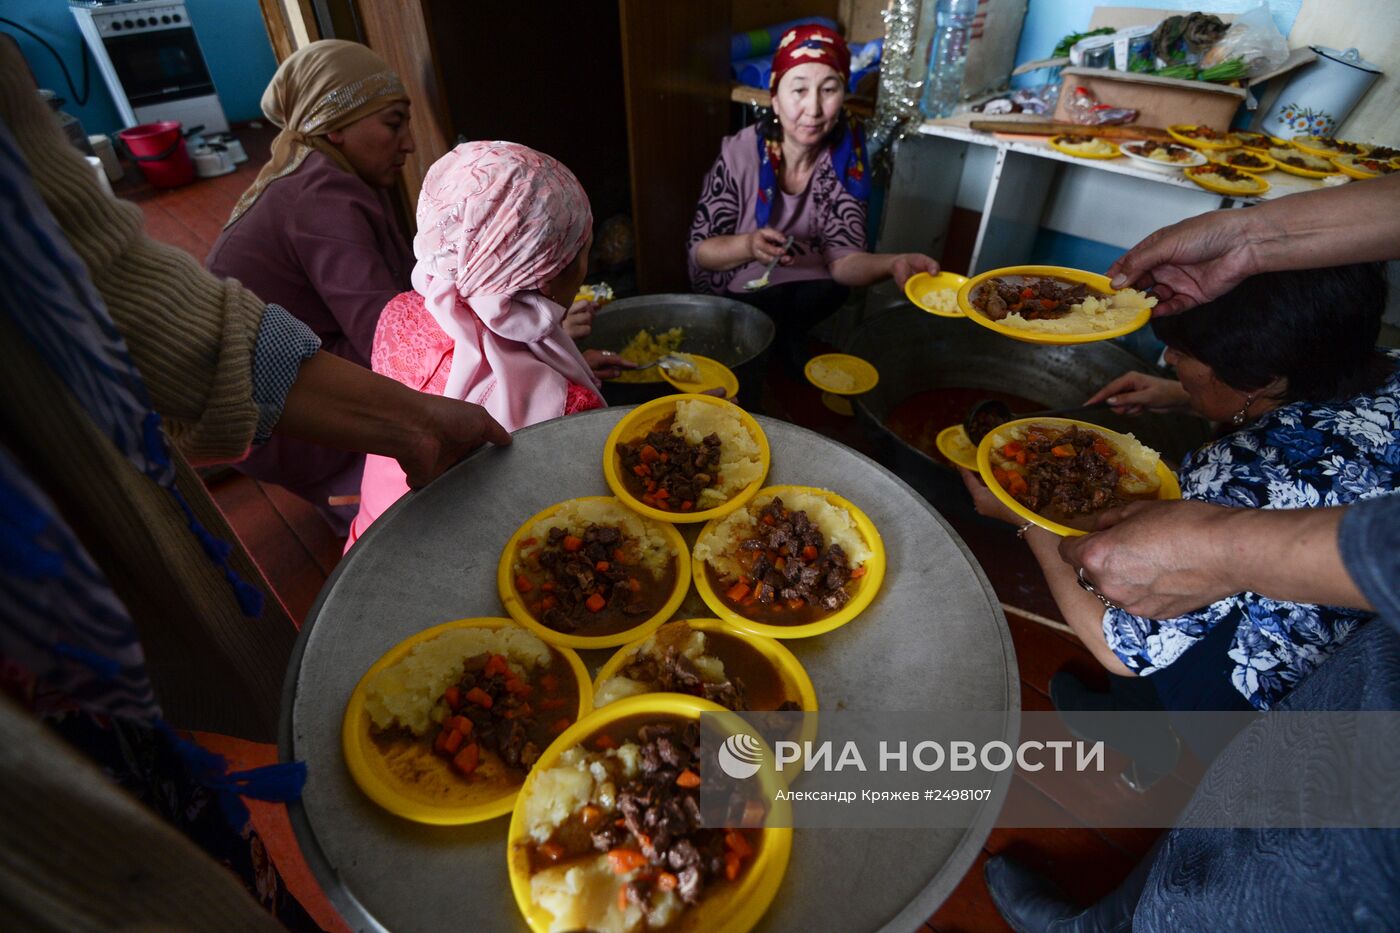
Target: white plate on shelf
x,y
1154,165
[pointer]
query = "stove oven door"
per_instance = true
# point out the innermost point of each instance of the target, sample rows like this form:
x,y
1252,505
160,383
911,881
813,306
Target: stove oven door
x,y
160,65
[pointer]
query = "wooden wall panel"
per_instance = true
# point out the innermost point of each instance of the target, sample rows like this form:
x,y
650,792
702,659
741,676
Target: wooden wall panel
x,y
676,74
402,32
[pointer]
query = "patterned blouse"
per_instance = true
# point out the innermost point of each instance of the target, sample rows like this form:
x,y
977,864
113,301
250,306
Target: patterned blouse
x,y
1302,455
826,221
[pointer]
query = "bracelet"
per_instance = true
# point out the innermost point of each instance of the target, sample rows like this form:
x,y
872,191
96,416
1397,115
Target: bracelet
x,y
1025,527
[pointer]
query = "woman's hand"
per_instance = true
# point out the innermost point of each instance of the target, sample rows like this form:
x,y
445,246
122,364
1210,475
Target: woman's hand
x,y
1191,262
447,430
765,243
606,364
907,265
1134,393
988,505
578,320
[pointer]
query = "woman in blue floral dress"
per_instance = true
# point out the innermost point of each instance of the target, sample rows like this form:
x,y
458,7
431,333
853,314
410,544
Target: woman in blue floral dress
x,y
1310,416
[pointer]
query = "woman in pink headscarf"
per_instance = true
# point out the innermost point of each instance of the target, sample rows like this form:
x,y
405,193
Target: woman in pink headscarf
x,y
502,247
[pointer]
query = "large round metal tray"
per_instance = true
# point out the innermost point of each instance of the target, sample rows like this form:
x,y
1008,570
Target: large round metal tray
x,y
935,639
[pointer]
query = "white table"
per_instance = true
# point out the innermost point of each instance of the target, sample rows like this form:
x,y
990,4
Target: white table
x,y
929,169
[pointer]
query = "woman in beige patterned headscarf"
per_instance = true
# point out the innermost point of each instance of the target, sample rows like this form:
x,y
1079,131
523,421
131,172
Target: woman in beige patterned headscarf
x,y
317,233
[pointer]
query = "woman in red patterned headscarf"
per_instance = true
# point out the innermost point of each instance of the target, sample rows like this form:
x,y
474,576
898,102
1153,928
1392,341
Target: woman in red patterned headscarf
x,y
799,172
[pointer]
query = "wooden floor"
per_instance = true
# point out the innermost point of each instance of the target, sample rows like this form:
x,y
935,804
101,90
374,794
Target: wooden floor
x,y
297,551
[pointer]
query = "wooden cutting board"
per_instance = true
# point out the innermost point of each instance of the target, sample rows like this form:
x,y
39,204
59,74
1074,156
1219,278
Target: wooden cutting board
x,y
1052,128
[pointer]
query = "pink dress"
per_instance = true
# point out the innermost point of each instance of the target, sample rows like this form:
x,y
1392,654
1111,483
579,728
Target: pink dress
x,y
410,347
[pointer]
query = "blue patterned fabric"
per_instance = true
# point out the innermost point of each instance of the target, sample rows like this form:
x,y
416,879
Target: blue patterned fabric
x,y
847,158
284,343
1298,456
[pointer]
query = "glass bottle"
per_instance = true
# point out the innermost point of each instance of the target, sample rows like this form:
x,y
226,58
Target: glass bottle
x,y
947,57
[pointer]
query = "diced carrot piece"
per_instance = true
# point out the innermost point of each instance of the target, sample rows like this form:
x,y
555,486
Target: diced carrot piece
x,y
1011,448
517,687
641,469
688,778
626,860
665,458
663,494
1022,457
529,542
738,844
605,741
466,760
737,592
548,603
551,850
622,898
602,566
523,584
649,454
479,697
553,703
769,520
1027,293
1101,447
535,607
550,682
572,542
459,724
858,572
731,866
796,603
440,743
496,664
809,553
549,586
595,603
666,881
1063,450
634,584
687,505
1049,304
451,741
453,696
560,725
618,555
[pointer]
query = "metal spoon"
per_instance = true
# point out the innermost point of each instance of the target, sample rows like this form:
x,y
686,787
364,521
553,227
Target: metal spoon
x,y
669,359
762,280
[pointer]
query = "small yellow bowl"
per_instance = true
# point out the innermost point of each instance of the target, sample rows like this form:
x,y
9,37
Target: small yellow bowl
x,y
918,286
1179,131
1352,166
866,588
1069,150
1097,282
371,770
953,443
1224,159
797,685
1281,155
1205,177
515,606
841,374
709,374
1312,146
646,416
726,908
1169,488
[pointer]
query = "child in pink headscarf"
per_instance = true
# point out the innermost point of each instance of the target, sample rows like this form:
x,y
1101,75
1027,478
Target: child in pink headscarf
x,y
502,246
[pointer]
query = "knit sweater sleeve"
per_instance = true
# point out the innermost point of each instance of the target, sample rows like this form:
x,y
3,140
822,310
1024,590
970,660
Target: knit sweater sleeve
x,y
191,335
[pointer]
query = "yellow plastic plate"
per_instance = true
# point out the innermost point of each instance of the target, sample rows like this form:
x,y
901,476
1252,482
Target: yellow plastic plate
x,y
442,797
1070,150
1157,165
1225,158
1312,145
866,588
709,374
1259,142
1178,133
1097,282
645,417
1352,165
953,443
917,288
1169,489
797,685
1205,177
1279,155
841,374
724,908
510,598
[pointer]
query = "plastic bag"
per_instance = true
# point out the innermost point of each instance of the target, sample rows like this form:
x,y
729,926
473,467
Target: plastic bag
x,y
1254,38
1084,108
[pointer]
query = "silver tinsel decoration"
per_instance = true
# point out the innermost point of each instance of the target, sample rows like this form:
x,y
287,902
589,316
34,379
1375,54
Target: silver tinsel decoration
x,y
897,108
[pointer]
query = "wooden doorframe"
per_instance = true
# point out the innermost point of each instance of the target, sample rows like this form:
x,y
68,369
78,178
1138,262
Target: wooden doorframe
x,y
290,25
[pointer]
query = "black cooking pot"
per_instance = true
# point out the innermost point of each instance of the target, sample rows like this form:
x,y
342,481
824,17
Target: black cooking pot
x,y
723,329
